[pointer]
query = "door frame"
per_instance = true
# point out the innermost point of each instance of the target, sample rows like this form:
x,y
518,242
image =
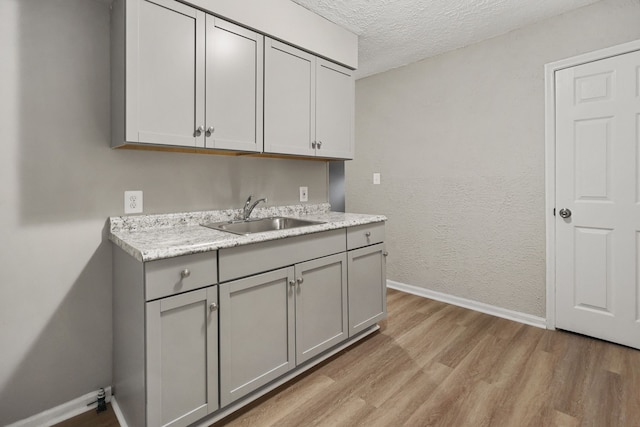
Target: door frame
x,y
550,158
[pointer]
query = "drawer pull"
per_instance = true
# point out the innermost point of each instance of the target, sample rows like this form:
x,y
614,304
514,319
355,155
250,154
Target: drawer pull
x,y
213,306
185,273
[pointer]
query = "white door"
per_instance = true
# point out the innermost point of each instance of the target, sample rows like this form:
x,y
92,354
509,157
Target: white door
x,y
598,181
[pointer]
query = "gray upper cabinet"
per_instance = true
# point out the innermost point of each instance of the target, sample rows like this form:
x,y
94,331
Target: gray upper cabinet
x,y
182,358
184,78
334,110
308,104
234,87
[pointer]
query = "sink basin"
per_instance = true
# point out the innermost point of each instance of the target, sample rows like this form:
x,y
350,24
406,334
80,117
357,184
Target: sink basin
x,y
260,225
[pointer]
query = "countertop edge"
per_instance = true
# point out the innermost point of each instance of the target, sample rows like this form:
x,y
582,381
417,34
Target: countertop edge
x,y
228,240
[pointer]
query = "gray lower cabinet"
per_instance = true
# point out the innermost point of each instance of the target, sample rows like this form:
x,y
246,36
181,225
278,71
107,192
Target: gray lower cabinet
x,y
321,305
367,287
272,322
256,332
182,358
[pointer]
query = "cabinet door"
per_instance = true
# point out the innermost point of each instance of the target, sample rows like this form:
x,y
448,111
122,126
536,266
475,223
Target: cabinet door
x,y
234,87
321,305
334,110
256,332
367,287
289,100
164,73
182,358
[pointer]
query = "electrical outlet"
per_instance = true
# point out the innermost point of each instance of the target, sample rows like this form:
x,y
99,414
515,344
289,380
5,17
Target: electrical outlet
x,y
132,202
376,178
304,194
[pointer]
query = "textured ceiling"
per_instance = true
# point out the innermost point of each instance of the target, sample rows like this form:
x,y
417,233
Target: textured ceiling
x,y
393,33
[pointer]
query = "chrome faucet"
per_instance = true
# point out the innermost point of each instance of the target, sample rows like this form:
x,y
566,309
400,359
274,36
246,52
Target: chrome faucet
x,y
248,207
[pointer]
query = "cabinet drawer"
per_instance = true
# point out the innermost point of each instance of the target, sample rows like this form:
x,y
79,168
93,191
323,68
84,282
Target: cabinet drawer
x,y
365,235
180,274
242,261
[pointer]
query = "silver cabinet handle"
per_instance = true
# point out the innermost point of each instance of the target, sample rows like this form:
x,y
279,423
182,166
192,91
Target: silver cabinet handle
x,y
313,144
210,131
565,213
385,253
185,273
319,144
292,282
213,306
199,130
300,280
368,234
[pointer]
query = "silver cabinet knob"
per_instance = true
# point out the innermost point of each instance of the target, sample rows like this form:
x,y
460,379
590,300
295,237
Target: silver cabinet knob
x,y
210,131
185,273
368,234
292,282
199,130
319,144
213,306
300,280
385,253
565,213
313,144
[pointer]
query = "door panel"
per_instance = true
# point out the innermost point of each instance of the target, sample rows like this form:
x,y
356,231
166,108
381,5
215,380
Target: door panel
x,y
593,158
597,159
593,269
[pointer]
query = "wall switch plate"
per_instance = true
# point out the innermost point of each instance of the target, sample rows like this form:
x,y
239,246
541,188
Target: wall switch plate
x,y
376,178
132,202
304,194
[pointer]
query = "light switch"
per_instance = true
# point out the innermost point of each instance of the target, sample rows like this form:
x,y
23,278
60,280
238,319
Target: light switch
x,y
376,178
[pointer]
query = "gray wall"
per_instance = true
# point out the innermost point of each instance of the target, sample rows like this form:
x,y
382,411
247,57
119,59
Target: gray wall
x,y
59,181
459,140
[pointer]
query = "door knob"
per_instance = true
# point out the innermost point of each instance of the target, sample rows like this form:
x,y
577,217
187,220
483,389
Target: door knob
x,y
565,213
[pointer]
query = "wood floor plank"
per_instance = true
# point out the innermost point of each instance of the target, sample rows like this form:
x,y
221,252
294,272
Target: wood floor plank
x,y
434,364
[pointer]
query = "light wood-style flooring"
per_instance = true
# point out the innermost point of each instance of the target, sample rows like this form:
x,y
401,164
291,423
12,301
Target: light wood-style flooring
x,y
437,364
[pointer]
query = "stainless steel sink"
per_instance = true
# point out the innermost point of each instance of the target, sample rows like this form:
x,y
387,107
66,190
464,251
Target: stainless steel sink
x,y
261,225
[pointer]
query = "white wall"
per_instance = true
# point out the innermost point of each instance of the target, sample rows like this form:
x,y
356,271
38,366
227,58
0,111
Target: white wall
x,y
459,140
59,181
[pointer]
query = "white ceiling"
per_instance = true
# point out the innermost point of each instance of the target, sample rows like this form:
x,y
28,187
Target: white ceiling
x,y
392,33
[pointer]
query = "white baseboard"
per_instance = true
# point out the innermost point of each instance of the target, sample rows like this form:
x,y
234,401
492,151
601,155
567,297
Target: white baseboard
x,y
63,412
118,412
516,316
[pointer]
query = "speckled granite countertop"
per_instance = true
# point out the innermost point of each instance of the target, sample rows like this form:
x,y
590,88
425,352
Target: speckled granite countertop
x,y
153,237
